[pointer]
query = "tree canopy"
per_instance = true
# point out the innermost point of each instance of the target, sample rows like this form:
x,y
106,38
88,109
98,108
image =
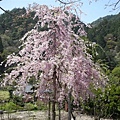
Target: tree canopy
x,y
56,56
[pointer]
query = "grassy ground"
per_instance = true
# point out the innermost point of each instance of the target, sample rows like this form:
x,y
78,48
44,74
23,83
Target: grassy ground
x,y
4,95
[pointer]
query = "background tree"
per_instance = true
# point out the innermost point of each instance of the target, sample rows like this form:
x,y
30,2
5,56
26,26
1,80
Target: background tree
x,y
104,32
1,51
1,45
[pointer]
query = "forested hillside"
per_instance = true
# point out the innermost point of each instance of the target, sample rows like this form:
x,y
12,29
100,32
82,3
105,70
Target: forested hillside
x,y
106,32
13,25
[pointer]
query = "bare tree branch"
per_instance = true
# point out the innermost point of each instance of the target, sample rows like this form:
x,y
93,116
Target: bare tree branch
x,y
5,11
65,3
115,5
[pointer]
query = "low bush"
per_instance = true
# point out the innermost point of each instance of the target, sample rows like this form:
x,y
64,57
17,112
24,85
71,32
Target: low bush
x,y
4,95
10,106
41,105
29,106
106,104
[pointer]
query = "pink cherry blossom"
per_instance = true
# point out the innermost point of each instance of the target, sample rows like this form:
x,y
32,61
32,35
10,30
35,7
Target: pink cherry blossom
x,y
56,50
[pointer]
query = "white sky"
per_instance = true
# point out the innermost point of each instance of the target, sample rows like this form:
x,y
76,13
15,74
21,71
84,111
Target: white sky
x,y
93,11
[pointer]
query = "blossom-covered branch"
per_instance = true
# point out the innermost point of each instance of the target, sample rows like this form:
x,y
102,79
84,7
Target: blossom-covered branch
x,y
55,54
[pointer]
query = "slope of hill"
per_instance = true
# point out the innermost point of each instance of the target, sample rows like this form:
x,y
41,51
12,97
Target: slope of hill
x,y
13,25
106,32
108,18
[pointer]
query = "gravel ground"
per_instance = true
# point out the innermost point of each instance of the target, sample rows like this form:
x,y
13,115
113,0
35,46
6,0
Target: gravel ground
x,y
40,115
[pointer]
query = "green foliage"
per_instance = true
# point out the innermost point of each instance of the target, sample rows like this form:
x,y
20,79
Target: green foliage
x,y
116,72
106,102
29,106
1,51
111,44
117,57
98,54
41,105
10,106
1,45
13,26
4,95
18,100
105,32
110,102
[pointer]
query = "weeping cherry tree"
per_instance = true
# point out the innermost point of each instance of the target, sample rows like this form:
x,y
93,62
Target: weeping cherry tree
x,y
54,53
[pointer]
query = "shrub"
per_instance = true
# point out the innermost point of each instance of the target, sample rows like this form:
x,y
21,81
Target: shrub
x,y
4,95
29,106
10,106
116,72
41,105
106,103
18,100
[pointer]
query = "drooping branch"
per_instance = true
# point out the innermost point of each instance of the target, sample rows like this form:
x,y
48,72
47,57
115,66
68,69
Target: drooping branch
x,y
65,3
115,5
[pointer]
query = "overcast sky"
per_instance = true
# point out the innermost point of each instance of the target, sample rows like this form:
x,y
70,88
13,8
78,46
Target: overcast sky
x,y
93,11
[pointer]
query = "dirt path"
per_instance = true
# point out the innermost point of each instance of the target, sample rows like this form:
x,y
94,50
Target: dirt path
x,y
40,115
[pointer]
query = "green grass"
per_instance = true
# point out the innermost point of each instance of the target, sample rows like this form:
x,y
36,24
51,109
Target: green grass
x,y
4,95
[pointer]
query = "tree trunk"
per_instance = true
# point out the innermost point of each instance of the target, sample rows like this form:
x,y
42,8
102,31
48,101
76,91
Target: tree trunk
x,y
59,111
53,110
69,105
54,94
49,107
